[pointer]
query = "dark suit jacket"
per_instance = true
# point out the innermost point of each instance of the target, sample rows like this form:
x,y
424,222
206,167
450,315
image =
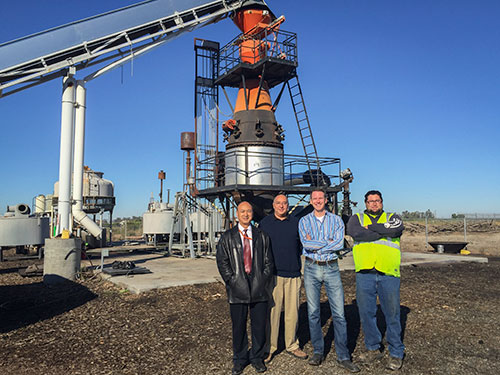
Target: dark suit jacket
x,y
240,287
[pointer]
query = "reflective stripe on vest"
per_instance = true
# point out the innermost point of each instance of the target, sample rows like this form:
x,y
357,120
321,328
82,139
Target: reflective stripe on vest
x,y
383,254
387,242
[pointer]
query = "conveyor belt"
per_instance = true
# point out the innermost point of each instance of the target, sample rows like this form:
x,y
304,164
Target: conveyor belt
x,y
46,55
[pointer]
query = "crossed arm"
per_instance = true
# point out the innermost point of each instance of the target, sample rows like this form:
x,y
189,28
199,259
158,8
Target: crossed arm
x,y
335,240
393,228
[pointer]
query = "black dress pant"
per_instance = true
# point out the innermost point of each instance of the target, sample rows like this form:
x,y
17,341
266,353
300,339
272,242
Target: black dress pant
x,y
258,319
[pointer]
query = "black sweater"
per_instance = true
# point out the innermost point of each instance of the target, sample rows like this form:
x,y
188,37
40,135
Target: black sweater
x,y
285,243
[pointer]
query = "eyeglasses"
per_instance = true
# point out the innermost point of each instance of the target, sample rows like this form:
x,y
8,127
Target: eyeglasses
x,y
375,201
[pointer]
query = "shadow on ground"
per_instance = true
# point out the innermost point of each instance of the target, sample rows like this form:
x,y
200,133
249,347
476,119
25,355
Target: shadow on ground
x,y
25,304
353,325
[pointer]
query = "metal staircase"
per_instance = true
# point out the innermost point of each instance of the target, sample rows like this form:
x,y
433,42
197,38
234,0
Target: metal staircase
x,y
184,204
310,152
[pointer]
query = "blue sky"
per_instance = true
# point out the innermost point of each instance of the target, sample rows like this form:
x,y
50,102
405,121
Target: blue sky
x,y
406,93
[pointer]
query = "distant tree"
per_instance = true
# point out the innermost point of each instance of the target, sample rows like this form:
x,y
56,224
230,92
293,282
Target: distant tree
x,y
429,214
417,214
457,216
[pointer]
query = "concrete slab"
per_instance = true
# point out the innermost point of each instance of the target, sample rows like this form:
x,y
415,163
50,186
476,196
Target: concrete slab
x,y
166,272
173,271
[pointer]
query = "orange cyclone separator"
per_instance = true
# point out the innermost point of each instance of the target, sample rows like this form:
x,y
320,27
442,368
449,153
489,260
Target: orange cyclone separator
x,y
247,19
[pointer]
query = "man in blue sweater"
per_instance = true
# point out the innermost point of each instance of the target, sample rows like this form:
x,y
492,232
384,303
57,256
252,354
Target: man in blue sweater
x,y
286,249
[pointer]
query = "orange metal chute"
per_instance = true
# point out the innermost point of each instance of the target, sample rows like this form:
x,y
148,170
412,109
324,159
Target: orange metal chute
x,y
252,88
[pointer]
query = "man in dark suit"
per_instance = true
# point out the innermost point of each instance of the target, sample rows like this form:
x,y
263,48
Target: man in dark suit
x,y
245,262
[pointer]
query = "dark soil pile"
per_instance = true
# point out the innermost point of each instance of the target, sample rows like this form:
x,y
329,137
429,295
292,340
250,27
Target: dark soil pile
x,y
449,314
473,226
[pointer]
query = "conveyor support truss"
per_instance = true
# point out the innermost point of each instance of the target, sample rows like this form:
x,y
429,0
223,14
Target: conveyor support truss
x,y
117,35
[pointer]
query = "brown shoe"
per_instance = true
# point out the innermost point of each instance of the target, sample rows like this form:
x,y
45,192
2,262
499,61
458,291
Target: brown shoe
x,y
268,358
298,353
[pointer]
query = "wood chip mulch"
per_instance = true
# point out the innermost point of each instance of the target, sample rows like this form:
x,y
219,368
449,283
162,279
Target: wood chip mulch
x,y
450,315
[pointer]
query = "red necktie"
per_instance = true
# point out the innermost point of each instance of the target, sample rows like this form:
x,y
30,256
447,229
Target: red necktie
x,y
247,253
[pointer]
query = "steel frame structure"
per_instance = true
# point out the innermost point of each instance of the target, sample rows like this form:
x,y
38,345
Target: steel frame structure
x,y
277,63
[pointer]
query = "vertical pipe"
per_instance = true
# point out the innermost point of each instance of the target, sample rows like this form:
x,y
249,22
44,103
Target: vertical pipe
x,y
211,238
161,191
465,229
78,156
199,229
79,151
426,234
100,224
67,121
111,226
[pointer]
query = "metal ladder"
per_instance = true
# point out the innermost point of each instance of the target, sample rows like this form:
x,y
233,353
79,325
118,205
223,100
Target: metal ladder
x,y
299,108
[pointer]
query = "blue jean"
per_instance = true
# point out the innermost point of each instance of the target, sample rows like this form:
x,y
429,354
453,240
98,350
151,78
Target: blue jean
x,y
368,286
314,277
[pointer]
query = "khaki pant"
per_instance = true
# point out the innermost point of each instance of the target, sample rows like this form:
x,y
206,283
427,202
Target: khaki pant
x,y
285,294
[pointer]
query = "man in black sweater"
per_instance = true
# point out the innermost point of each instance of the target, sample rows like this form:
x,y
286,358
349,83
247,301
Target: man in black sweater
x,y
286,249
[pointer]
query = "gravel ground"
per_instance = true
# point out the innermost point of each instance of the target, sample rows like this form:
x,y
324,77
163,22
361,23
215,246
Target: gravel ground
x,y
449,314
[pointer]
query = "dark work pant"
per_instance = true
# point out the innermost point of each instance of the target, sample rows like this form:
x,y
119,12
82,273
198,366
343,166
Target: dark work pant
x,y
258,318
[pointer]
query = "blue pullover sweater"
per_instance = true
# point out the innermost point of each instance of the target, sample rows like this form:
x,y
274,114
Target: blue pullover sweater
x,y
286,246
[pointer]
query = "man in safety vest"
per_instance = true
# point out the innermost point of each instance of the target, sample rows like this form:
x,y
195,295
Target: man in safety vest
x,y
377,258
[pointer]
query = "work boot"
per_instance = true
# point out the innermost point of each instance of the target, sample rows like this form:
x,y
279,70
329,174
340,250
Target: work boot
x,y
394,363
370,356
316,359
348,365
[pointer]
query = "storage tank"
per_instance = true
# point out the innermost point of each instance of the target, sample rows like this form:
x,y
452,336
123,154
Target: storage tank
x,y
98,193
200,222
48,202
254,165
157,222
93,185
40,204
96,186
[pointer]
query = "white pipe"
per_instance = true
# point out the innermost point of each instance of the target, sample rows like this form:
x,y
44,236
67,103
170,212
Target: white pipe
x,y
123,60
78,214
67,117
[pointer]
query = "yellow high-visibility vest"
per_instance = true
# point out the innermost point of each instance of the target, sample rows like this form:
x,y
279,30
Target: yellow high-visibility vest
x,y
384,254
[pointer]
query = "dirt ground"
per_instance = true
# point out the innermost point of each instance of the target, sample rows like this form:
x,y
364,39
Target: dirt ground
x,y
482,236
449,314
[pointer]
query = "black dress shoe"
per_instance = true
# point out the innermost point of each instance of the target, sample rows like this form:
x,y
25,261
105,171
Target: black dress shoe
x,y
259,366
237,369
